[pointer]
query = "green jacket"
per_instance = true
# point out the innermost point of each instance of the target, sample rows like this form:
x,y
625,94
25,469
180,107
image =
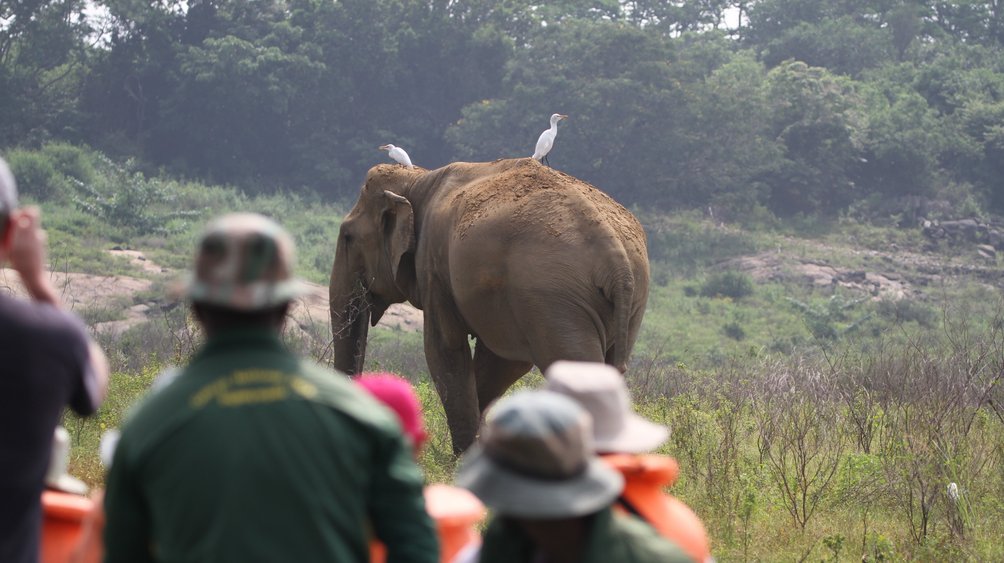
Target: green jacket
x,y
612,538
253,454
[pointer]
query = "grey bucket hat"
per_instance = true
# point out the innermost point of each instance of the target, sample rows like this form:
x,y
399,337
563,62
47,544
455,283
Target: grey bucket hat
x,y
535,460
601,390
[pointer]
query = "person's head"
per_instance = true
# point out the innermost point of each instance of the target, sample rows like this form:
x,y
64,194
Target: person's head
x,y
8,203
535,462
601,390
243,274
399,395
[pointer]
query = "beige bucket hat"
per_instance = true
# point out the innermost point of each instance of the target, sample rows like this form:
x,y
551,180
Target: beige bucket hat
x,y
601,390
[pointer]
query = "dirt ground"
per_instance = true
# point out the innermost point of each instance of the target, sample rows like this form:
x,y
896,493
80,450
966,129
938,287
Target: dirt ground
x,y
88,293
890,274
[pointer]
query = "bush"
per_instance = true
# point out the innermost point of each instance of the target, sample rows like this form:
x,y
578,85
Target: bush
x,y
734,330
125,198
37,176
735,285
689,243
49,174
906,310
71,161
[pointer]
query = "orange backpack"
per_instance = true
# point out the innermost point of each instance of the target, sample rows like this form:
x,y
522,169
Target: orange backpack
x,y
645,477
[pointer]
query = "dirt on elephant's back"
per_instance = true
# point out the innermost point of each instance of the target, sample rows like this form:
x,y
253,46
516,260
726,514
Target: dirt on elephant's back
x,y
534,189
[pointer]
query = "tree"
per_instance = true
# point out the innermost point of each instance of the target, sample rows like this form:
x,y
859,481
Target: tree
x,y
133,73
906,137
731,146
42,58
815,116
614,80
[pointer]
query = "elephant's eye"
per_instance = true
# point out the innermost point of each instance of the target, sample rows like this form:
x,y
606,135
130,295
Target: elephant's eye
x,y
347,237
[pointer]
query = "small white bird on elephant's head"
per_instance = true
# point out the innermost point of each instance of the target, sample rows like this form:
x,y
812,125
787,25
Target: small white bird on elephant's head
x,y
546,139
398,154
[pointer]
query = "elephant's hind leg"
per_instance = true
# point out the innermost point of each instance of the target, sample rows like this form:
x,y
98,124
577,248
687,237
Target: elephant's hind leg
x,y
494,374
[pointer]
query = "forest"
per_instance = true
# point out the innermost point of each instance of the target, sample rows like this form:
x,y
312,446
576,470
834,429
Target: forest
x,y
748,110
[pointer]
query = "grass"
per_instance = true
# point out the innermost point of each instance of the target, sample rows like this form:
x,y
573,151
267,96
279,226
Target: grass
x,y
711,408
716,368
124,391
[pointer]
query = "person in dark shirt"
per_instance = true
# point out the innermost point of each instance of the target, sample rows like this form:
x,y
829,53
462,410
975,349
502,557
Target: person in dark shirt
x,y
47,361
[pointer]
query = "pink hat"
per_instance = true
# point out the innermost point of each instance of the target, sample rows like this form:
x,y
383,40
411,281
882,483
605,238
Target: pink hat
x,y
398,394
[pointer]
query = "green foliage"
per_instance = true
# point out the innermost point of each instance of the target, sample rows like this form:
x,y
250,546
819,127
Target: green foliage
x,y
835,544
879,548
51,173
805,108
734,330
36,175
907,310
833,318
42,64
845,44
731,284
128,199
905,135
124,391
817,117
689,243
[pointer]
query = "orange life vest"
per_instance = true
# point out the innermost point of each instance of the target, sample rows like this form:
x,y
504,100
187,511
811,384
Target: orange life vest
x,y
63,525
456,512
645,477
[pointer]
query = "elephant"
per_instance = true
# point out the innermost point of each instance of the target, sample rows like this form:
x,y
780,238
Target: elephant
x,y
532,264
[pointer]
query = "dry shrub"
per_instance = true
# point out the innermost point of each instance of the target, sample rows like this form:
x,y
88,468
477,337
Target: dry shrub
x,y
799,430
938,424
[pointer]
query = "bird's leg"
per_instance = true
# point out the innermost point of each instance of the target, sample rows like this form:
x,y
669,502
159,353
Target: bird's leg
x,y
545,161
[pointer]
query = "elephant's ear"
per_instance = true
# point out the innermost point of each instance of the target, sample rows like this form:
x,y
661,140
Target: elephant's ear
x,y
398,228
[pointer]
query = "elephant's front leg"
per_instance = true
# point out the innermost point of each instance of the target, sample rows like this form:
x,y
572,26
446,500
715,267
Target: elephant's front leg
x,y
449,357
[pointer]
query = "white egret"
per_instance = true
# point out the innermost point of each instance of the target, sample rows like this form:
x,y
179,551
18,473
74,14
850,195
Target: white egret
x,y
546,139
398,154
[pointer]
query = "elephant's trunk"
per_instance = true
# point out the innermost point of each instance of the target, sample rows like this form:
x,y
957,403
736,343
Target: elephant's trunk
x,y
350,305
350,327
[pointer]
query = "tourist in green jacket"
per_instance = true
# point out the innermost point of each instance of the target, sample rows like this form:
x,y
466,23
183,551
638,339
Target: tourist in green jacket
x,y
534,466
252,453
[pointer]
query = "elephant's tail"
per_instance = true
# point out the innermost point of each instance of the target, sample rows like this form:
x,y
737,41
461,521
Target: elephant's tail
x,y
619,289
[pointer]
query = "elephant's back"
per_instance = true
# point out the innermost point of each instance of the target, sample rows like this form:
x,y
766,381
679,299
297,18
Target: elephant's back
x,y
532,199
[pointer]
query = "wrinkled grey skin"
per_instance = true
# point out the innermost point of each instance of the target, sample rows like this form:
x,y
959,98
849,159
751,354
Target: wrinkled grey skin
x,y
535,265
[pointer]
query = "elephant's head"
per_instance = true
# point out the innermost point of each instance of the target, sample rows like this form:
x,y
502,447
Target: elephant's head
x,y
372,267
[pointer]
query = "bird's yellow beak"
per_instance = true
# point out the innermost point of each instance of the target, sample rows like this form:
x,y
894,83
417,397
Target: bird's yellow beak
x,y
382,147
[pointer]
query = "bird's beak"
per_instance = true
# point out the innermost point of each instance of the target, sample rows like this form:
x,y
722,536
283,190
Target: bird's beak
x,y
563,116
382,147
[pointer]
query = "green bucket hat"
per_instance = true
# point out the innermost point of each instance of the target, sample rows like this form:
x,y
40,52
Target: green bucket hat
x,y
244,262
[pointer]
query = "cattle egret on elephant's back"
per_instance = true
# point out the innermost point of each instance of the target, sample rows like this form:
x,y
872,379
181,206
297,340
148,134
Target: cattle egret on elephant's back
x,y
398,154
546,139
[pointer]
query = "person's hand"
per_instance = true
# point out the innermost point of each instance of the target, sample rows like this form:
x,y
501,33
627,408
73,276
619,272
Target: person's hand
x,y
27,253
